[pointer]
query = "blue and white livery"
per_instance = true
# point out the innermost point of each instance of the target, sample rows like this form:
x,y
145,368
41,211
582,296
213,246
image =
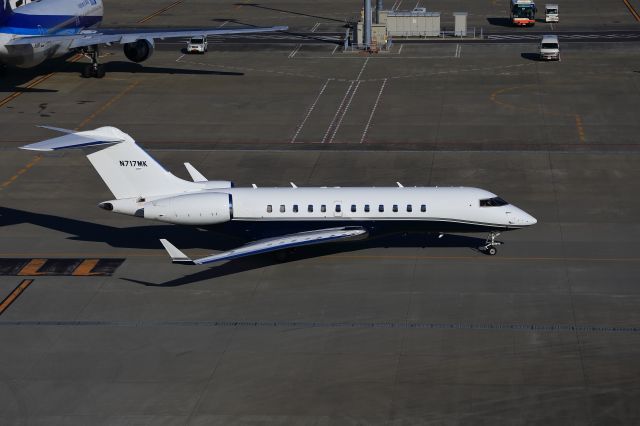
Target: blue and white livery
x,y
280,218
45,29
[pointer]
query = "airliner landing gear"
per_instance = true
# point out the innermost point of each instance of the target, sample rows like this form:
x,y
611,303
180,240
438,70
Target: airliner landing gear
x,y
491,245
94,69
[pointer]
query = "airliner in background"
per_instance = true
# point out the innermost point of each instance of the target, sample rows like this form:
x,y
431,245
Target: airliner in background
x,y
288,217
46,29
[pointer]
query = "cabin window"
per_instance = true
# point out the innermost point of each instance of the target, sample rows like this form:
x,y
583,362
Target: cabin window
x,y
338,208
310,208
409,208
366,208
381,208
295,208
282,209
353,208
423,208
269,208
395,208
493,202
323,208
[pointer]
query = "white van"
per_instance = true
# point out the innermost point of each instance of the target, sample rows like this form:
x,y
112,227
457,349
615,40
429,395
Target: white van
x,y
550,48
551,13
197,45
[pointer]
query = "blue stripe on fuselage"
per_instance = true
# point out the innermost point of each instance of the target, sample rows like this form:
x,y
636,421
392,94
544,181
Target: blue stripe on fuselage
x,y
21,24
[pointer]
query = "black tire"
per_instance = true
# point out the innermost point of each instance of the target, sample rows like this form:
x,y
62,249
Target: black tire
x,y
100,71
87,71
491,250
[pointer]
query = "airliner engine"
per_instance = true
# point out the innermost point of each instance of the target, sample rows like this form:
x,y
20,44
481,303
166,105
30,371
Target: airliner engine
x,y
139,50
191,209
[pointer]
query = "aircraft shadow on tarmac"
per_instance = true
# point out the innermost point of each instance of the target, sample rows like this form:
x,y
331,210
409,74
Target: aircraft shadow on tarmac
x,y
13,78
189,237
131,67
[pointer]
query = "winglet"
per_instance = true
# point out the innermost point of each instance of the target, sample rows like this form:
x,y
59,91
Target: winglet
x,y
196,176
176,255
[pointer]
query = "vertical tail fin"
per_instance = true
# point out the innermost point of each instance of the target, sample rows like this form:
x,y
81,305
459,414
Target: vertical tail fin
x,y
125,168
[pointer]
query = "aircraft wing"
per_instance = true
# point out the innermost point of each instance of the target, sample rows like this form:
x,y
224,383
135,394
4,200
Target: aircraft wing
x,y
271,244
122,36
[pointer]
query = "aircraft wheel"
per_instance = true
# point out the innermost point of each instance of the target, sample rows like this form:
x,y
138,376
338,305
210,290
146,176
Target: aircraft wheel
x,y
100,71
491,250
87,71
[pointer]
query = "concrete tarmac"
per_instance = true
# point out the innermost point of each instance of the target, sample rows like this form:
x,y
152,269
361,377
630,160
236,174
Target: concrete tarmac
x,y
404,330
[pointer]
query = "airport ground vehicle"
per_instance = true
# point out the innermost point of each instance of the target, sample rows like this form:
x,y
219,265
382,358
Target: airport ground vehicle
x,y
550,48
551,13
522,12
197,45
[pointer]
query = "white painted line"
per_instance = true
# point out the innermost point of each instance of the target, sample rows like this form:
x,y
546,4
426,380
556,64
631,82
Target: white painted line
x,y
398,5
458,51
362,69
315,27
552,26
223,24
180,57
400,50
294,51
344,112
373,111
313,105
326,134
334,50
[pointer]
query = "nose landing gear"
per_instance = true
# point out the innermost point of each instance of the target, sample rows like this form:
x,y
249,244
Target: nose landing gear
x,y
491,245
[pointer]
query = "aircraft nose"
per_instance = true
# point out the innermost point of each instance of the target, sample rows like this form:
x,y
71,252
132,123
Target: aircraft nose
x,y
529,220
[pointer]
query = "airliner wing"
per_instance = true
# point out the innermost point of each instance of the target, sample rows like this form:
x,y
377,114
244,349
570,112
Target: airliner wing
x,y
271,244
122,36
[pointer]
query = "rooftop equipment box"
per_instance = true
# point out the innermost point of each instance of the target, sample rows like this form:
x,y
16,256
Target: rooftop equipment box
x,y
412,24
460,29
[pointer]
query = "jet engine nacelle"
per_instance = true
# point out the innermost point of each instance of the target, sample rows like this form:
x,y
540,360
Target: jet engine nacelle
x,y
191,209
139,50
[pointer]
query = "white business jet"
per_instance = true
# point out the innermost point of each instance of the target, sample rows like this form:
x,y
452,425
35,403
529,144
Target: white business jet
x,y
296,216
46,29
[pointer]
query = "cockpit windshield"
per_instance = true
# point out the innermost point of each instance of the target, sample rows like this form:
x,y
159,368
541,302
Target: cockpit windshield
x,y
493,202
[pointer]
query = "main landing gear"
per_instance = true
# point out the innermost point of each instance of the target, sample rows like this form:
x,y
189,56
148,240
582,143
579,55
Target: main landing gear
x,y
491,245
94,69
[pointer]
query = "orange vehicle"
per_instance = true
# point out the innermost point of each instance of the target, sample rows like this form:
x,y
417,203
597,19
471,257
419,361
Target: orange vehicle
x,y
523,12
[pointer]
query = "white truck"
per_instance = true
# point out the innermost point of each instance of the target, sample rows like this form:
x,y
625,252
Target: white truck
x,y
551,13
550,48
197,45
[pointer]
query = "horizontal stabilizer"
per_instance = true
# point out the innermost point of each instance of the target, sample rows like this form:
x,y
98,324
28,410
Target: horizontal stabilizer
x,y
100,136
272,244
176,255
196,176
